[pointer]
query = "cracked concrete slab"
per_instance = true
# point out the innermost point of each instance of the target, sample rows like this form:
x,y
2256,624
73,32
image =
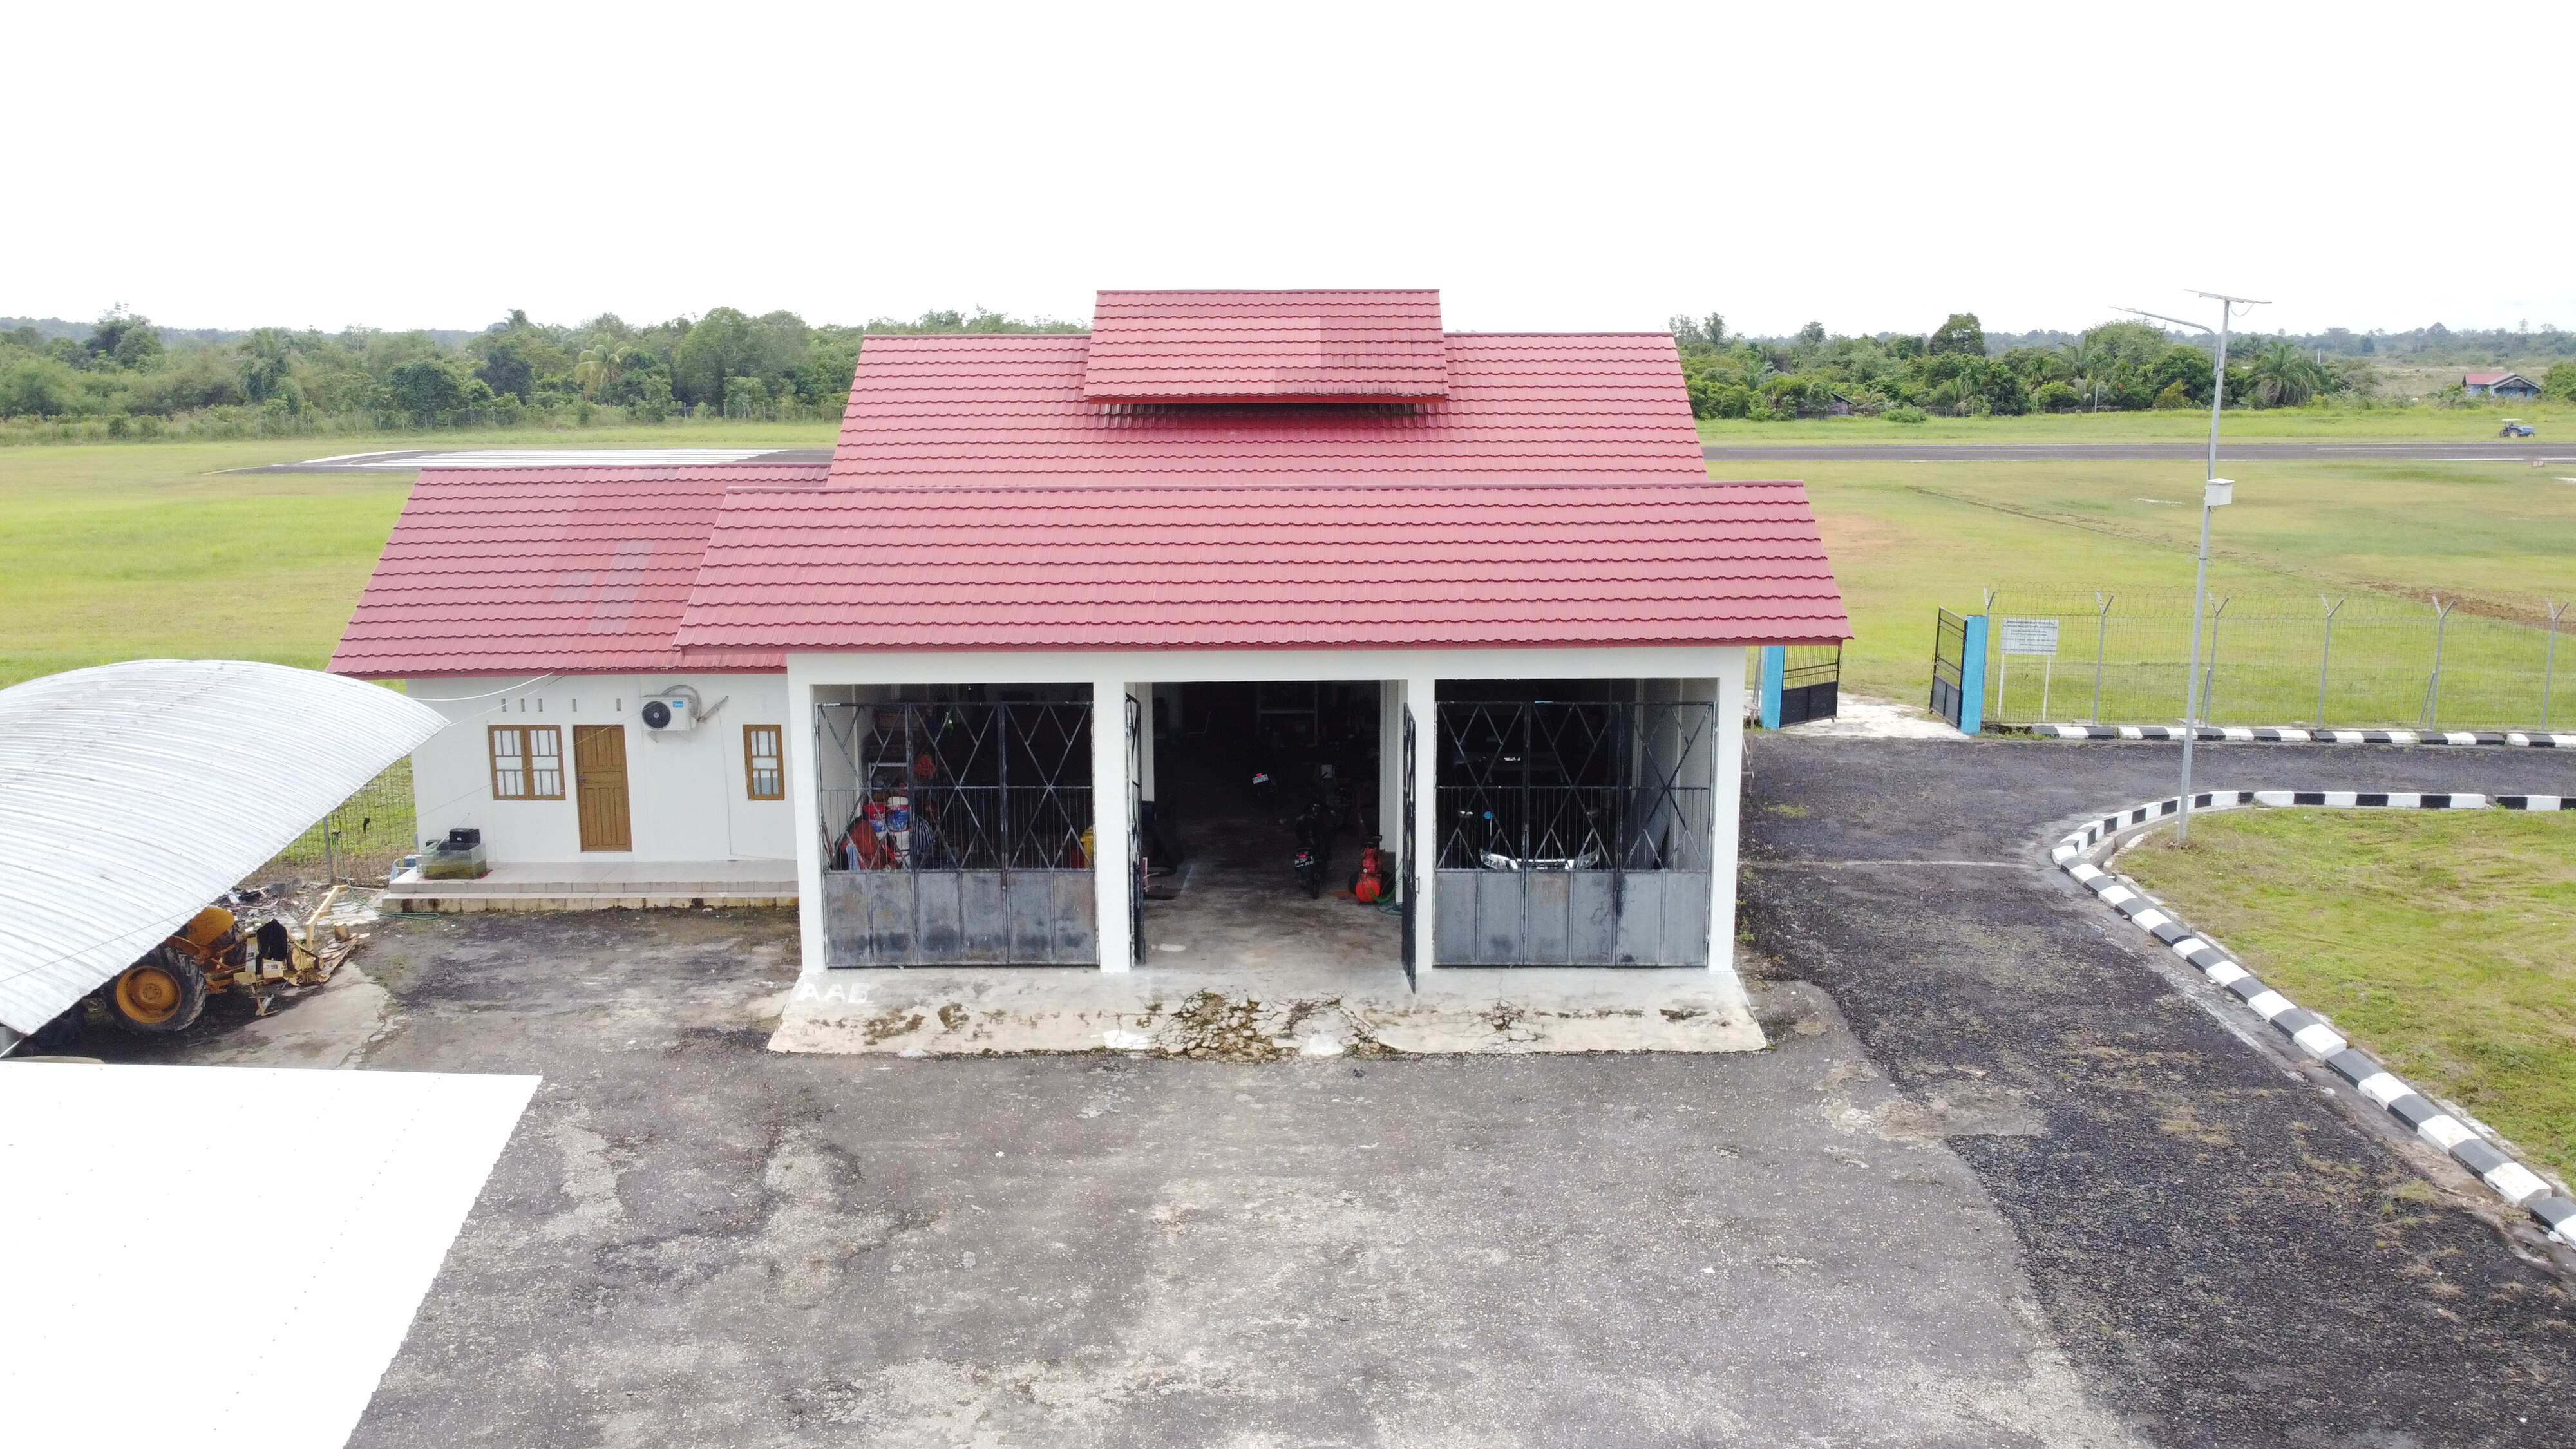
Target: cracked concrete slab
x,y
696,1240
1258,1014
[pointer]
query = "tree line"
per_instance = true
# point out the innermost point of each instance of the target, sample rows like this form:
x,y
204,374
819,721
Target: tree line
x,y
126,376
138,378
1952,371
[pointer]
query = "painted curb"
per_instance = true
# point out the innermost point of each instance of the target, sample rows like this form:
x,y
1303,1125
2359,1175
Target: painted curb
x,y
2074,853
2299,735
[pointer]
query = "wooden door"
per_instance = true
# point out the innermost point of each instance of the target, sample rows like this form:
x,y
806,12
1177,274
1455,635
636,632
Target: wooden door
x,y
599,767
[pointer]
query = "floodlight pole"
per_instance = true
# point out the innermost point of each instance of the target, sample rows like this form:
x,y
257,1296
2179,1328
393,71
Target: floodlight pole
x,y
2215,492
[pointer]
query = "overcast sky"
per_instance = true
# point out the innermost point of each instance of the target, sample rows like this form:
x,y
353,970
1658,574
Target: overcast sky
x,y
1581,167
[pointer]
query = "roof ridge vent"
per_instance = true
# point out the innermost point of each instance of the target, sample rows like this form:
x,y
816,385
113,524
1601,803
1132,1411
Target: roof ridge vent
x,y
1267,347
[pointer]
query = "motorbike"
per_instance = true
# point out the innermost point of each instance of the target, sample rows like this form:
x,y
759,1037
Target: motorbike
x,y
1314,848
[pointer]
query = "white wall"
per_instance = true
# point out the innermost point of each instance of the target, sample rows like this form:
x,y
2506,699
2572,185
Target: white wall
x,y
686,794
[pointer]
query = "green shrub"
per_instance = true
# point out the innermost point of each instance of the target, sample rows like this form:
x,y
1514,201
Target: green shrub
x,y
1904,413
2175,396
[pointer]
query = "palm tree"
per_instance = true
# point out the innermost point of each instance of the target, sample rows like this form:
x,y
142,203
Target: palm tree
x,y
596,369
2086,361
2283,374
1756,363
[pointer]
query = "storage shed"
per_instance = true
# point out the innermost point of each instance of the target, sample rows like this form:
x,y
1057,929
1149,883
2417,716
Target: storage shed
x,y
1078,640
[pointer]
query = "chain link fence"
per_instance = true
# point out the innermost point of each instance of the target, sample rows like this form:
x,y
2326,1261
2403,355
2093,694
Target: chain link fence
x,y
2337,660
358,841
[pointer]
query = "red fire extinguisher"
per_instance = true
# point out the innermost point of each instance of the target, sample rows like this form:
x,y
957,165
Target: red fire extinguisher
x,y
1369,886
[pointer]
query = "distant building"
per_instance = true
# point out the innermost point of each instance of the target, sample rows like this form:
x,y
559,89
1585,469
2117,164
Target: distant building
x,y
2499,384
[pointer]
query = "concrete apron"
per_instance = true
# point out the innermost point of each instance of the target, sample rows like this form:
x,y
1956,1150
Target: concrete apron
x,y
1265,1013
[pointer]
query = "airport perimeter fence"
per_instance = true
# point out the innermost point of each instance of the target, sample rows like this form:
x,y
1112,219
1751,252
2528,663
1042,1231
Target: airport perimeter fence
x,y
2347,660
358,841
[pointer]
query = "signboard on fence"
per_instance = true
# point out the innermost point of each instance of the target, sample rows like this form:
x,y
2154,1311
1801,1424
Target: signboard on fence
x,y
2029,636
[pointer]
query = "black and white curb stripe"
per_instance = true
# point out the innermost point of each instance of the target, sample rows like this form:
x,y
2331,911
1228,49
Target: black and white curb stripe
x,y
2074,854
2299,735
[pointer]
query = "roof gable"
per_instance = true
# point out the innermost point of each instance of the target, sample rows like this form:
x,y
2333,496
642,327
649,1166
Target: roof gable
x,y
543,570
1298,346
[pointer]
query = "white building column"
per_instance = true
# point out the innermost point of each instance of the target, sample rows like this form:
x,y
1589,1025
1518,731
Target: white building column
x,y
1420,694
1726,804
804,785
1110,825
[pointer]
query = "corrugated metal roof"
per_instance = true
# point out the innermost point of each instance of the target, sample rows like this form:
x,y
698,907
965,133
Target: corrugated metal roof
x,y
1375,346
1009,408
132,794
1375,565
544,570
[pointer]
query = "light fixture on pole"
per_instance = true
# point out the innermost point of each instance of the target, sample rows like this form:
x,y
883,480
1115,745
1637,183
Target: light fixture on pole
x,y
2216,492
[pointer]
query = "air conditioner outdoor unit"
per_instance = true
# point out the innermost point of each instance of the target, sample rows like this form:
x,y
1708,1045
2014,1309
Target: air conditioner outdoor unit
x,y
671,713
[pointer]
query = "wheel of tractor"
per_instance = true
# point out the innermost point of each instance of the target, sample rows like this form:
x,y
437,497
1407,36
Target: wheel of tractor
x,y
162,993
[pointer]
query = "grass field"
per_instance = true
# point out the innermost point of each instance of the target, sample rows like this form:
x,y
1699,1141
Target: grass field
x,y
136,551
1909,537
2444,944
2555,421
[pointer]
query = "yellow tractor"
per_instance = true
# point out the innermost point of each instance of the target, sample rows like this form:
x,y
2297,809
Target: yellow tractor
x,y
166,991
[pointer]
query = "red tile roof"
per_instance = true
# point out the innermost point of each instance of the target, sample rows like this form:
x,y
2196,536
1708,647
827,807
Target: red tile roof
x,y
1555,496
543,570
1009,408
1313,346
1401,565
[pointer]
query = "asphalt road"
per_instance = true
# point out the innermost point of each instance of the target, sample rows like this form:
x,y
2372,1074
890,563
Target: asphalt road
x,y
2524,451
413,459
2228,1254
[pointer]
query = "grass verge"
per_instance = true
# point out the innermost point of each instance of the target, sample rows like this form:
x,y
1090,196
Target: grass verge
x,y
1909,537
154,550
2443,944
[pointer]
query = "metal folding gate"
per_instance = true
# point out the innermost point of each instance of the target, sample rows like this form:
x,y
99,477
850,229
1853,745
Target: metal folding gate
x,y
957,833
1811,688
1949,657
1959,670
1574,833
1412,886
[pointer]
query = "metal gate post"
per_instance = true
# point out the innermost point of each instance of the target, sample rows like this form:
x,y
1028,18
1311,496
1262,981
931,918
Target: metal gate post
x,y
2549,671
1972,677
2432,714
2101,646
2325,659
1775,667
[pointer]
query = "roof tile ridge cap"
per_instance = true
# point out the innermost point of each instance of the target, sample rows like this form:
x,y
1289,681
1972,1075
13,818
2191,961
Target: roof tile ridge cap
x,y
1256,291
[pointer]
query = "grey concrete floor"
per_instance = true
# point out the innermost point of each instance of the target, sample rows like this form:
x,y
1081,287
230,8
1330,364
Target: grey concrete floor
x,y
695,1241
1238,905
